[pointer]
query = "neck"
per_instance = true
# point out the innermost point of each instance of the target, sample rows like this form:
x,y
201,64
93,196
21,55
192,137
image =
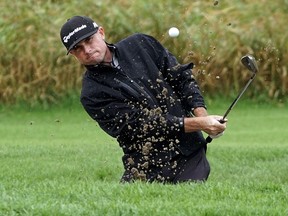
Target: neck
x,y
107,58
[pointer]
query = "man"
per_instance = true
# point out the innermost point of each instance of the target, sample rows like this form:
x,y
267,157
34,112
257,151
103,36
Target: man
x,y
138,93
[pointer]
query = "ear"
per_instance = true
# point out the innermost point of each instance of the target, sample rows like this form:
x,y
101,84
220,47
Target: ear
x,y
75,57
102,32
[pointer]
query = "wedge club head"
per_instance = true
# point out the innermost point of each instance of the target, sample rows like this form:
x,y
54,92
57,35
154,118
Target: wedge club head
x,y
250,63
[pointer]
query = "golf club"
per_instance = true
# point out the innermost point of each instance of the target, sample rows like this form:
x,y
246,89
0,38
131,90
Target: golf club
x,y
250,63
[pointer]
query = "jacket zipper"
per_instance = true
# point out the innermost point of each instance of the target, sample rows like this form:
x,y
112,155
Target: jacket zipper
x,y
137,91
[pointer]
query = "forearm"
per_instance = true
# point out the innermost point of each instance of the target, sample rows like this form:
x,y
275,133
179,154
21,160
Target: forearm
x,y
193,124
200,112
209,124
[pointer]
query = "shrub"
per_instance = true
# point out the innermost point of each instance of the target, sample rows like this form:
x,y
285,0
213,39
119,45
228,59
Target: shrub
x,y
213,34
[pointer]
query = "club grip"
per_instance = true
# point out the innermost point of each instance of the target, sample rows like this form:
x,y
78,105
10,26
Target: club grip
x,y
208,139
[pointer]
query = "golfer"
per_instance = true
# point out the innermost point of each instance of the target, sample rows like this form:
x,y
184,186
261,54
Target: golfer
x,y
138,93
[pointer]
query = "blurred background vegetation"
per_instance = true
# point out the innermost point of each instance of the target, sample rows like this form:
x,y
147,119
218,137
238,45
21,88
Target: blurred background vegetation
x,y
214,35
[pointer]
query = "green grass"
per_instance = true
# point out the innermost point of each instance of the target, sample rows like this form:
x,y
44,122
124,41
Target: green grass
x,y
58,162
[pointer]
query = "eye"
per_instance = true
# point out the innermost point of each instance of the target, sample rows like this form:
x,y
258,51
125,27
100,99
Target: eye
x,y
76,48
89,39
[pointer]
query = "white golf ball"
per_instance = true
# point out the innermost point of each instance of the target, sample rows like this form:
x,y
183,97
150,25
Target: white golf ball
x,y
173,32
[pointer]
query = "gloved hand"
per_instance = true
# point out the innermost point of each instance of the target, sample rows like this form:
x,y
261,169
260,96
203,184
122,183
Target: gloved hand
x,y
216,136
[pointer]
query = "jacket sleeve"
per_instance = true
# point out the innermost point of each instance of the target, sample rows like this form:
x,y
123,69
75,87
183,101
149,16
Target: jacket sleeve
x,y
184,83
179,76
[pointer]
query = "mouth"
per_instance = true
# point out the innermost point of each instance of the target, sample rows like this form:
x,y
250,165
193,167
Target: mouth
x,y
93,58
89,56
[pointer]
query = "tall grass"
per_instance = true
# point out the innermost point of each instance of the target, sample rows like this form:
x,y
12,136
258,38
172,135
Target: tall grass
x,y
213,34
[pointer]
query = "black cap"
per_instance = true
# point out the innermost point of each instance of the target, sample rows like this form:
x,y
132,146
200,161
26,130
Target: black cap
x,y
77,29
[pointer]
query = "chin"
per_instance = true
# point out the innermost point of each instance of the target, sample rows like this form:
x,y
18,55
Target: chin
x,y
91,62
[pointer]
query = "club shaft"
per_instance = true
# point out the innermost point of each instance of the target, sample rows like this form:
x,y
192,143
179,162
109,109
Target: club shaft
x,y
209,139
238,97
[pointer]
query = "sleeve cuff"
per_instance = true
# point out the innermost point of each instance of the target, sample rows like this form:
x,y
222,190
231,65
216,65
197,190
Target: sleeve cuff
x,y
181,123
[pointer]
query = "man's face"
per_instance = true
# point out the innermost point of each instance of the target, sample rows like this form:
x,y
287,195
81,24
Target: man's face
x,y
91,50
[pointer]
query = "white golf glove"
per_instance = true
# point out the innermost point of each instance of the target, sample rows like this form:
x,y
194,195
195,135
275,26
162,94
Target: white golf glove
x,y
216,136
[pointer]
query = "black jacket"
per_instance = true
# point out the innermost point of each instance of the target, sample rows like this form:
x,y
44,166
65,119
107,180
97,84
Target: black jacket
x,y
142,103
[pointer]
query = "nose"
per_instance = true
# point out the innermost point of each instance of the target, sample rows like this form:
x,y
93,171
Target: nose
x,y
87,49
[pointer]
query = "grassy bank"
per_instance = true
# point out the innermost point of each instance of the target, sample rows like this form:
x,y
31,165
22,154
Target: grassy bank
x,y
58,162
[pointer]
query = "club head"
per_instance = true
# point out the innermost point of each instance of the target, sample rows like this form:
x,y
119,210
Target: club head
x,y
250,63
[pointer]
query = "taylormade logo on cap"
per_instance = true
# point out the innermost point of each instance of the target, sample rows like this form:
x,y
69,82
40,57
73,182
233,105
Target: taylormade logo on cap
x,y
77,29
66,38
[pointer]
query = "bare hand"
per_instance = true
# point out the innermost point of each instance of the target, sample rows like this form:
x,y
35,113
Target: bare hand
x,y
212,125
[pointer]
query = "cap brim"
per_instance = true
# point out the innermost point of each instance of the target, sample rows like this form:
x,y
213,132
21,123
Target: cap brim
x,y
80,39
